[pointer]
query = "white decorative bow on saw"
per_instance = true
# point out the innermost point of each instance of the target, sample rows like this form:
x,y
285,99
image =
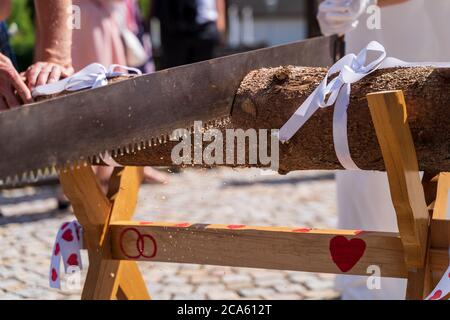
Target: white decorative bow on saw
x,y
93,76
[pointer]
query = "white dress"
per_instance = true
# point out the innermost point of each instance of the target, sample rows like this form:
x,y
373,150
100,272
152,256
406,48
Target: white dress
x,y
417,30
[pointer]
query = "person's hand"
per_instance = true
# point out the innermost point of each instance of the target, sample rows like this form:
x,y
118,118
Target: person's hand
x,y
42,73
341,16
13,90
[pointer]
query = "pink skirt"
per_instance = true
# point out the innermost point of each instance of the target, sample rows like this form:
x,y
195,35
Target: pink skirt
x,y
98,39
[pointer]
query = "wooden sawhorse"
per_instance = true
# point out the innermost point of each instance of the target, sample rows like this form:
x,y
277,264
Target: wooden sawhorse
x,y
419,252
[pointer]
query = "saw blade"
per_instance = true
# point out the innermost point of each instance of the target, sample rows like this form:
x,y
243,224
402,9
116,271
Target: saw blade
x,y
70,131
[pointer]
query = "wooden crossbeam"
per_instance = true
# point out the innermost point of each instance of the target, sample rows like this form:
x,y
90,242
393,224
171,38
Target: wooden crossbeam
x,y
282,248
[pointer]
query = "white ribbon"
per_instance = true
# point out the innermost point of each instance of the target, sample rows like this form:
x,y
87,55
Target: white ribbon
x,y
68,244
350,69
93,76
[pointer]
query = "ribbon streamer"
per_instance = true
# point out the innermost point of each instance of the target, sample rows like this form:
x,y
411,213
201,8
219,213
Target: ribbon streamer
x,y
93,76
350,69
68,244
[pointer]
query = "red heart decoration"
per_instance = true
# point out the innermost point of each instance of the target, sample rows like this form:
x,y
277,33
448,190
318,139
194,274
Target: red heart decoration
x,y
436,295
235,226
346,253
72,260
182,225
57,249
54,275
67,235
302,230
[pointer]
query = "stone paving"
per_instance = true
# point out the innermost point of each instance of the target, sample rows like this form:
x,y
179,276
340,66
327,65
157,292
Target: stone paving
x,y
29,223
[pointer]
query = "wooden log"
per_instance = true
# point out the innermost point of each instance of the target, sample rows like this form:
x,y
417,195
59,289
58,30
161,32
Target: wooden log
x,y
268,97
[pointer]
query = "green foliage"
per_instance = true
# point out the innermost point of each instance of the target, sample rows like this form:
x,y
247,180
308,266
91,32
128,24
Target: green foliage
x,y
23,41
145,7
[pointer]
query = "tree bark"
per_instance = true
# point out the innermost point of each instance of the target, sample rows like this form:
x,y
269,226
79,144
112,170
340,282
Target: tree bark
x,y
268,97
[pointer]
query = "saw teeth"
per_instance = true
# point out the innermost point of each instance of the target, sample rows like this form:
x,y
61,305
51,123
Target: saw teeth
x,y
24,176
104,155
32,176
137,144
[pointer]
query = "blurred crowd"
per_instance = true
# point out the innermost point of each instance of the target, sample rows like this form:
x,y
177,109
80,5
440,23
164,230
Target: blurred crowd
x,y
71,34
108,32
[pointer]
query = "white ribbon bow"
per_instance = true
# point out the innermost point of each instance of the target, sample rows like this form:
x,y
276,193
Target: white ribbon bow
x,y
68,244
350,69
93,76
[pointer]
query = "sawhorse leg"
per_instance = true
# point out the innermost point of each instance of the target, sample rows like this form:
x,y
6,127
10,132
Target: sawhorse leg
x,y
389,115
106,278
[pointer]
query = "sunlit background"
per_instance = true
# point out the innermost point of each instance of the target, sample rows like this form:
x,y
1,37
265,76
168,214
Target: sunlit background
x,y
251,24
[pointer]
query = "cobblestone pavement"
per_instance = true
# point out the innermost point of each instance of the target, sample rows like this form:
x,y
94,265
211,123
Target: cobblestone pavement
x,y
30,221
